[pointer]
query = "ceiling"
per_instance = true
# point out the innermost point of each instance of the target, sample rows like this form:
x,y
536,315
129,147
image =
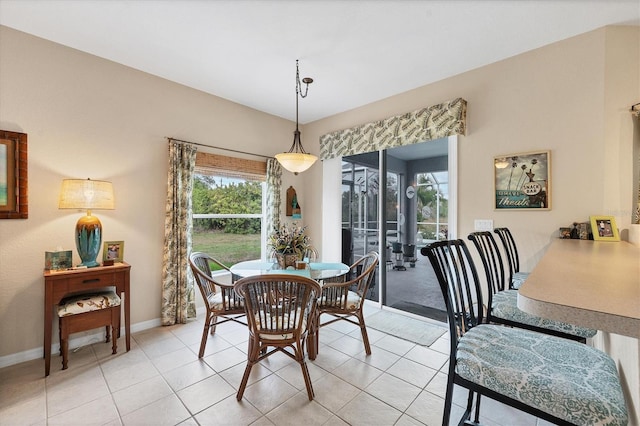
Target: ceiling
x,y
357,52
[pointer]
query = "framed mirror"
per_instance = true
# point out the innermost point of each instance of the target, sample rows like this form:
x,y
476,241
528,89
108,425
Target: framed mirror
x,y
14,202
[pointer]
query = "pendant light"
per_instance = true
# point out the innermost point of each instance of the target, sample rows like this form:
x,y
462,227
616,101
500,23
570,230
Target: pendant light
x,y
297,160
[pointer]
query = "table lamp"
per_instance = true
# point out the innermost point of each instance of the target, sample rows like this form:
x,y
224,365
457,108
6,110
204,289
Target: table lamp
x,y
90,195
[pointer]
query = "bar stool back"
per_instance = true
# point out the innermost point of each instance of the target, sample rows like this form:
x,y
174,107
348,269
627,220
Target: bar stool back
x,y
502,307
516,278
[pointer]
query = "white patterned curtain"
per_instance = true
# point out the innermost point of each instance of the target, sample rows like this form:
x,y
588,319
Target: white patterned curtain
x,y
274,185
178,297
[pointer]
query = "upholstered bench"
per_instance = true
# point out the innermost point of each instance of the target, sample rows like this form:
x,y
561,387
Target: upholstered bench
x,y
85,312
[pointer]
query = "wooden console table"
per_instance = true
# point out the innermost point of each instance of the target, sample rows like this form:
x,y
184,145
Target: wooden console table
x,y
594,284
57,284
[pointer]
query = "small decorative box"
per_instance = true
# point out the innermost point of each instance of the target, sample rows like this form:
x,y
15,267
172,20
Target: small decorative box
x,y
56,260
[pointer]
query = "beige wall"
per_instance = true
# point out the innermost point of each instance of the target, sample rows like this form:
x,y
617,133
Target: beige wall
x,y
569,97
572,98
87,117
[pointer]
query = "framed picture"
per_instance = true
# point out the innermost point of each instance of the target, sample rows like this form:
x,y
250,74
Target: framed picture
x,y
604,228
113,251
522,181
14,203
565,233
584,231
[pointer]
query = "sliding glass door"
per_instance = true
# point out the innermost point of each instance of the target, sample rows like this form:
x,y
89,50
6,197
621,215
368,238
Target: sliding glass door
x,y
415,211
360,198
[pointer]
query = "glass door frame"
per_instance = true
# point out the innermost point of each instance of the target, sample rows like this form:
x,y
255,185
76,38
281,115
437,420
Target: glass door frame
x,y
332,202
452,166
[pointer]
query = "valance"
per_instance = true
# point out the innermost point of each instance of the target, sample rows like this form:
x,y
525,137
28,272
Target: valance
x,y
434,122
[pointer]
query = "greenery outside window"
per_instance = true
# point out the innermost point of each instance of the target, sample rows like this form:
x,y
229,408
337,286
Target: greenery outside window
x,y
433,206
228,208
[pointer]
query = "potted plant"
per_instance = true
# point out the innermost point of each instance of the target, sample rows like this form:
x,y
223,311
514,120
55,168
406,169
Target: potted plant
x,y
289,244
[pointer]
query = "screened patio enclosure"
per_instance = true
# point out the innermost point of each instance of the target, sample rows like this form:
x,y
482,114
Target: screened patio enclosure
x,y
407,190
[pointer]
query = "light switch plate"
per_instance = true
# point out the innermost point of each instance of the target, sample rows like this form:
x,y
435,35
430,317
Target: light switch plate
x,y
483,225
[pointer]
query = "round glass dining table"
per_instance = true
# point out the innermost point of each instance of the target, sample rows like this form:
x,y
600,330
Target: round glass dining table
x,y
315,270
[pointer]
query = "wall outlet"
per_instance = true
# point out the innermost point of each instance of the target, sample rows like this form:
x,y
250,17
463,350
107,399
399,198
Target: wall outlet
x,y
483,225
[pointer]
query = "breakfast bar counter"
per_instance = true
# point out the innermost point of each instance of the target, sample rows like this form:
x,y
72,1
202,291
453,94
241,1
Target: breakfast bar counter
x,y
594,284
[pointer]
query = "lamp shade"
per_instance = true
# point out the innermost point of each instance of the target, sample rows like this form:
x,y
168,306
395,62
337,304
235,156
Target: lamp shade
x,y
296,162
86,194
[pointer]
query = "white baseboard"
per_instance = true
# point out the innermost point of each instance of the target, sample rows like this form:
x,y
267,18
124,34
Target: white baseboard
x,y
75,342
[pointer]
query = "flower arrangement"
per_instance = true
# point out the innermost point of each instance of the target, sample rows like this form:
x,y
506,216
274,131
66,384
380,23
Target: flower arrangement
x,y
290,240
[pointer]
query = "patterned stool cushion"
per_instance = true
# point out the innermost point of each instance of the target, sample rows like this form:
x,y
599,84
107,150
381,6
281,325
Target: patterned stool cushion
x,y
215,302
567,379
87,302
278,322
353,301
518,279
505,306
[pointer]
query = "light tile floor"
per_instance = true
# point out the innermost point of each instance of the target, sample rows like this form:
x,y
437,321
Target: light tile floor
x,y
161,381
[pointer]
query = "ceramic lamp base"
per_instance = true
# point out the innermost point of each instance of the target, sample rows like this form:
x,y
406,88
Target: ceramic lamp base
x,y
88,240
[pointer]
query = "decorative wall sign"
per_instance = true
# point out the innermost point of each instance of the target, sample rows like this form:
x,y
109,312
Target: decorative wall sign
x,y
293,208
523,181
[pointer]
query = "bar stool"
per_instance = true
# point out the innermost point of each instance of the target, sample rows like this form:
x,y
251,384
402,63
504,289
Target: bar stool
x,y
502,305
85,312
558,380
516,278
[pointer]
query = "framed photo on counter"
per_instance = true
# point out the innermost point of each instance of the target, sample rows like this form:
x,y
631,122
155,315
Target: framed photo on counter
x,y
604,228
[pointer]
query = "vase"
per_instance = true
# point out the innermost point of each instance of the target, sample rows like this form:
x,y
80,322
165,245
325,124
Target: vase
x,y
286,260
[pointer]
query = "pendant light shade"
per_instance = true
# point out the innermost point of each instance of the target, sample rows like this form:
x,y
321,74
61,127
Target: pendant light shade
x,y
297,160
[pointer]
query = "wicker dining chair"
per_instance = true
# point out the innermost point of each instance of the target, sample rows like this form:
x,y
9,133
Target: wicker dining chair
x,y
221,302
280,312
345,300
555,379
311,254
502,302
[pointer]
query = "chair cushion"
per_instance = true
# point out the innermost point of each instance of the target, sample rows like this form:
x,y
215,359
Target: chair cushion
x,y
281,321
518,279
353,301
505,305
567,379
215,302
87,302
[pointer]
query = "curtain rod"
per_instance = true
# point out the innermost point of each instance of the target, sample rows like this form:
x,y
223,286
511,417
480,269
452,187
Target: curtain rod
x,y
217,147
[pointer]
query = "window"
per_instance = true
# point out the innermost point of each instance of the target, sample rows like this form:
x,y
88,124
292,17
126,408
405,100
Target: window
x,y
433,206
228,208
